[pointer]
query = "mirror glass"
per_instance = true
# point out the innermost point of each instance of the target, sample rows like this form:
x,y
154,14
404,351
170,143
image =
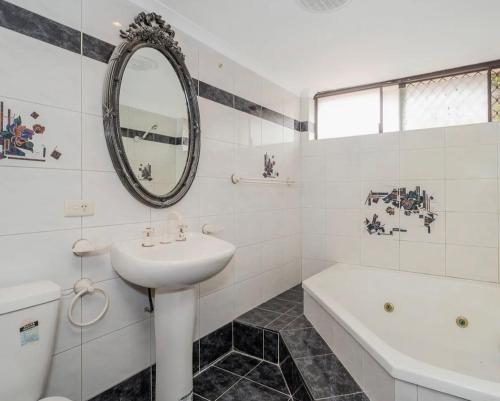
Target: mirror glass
x,y
154,121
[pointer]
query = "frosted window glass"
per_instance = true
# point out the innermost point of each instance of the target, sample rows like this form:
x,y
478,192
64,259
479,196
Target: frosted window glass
x,y
356,113
456,100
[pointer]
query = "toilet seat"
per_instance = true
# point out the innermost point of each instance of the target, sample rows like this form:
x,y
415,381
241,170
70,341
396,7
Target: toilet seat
x,y
55,399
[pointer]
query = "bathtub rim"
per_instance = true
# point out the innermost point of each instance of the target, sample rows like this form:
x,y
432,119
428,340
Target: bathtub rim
x,y
395,363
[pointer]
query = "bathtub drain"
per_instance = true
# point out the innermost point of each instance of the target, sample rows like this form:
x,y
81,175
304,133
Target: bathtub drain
x,y
462,322
388,307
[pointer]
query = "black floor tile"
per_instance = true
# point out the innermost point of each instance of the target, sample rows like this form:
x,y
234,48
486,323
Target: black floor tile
x,y
283,350
271,346
277,305
136,388
302,394
292,296
296,310
196,357
280,323
238,363
258,317
269,375
211,383
215,344
326,377
306,342
248,339
250,391
300,322
291,374
196,397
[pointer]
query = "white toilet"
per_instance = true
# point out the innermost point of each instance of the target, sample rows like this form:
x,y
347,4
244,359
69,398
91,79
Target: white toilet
x,y
28,321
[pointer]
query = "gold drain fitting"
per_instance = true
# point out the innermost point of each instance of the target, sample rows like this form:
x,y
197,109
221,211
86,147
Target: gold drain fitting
x,y
462,322
388,307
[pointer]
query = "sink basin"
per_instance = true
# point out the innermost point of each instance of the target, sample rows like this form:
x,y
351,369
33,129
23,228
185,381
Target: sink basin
x,y
172,270
174,265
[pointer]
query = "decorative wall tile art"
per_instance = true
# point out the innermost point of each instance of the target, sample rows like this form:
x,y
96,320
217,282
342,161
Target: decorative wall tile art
x,y
145,172
417,203
19,139
269,164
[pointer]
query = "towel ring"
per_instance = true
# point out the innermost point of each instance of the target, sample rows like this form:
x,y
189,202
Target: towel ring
x,y
81,288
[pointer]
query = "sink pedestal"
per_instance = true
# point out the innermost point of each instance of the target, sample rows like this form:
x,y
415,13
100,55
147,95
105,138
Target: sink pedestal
x,y
174,330
173,269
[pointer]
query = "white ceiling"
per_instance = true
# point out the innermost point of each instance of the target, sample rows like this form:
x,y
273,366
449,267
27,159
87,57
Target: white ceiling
x,y
366,41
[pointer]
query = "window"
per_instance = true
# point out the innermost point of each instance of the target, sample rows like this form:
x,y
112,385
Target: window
x,y
454,100
495,95
338,115
466,95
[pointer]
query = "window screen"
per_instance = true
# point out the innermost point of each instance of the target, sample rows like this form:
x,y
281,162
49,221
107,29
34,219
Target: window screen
x,y
454,100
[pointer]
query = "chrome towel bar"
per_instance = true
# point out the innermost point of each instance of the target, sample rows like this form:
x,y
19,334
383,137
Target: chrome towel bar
x,y
235,179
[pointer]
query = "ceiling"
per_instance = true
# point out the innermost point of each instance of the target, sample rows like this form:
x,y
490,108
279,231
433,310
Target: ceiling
x,y
365,41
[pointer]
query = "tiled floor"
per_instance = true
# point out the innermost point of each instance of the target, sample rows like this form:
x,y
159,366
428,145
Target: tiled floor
x,y
271,353
311,369
278,313
239,377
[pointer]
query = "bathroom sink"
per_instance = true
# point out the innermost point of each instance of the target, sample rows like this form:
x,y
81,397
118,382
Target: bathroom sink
x,y
175,265
173,269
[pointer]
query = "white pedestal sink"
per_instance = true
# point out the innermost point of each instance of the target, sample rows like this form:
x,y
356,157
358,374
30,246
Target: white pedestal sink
x,y
172,269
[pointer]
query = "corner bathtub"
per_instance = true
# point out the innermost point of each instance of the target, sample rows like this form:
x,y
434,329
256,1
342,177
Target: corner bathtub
x,y
418,351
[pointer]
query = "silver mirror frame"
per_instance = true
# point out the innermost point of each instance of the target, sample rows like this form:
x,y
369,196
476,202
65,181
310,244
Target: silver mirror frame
x,y
149,30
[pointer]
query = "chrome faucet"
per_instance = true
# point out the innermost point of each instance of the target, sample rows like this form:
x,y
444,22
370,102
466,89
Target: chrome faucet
x,y
181,233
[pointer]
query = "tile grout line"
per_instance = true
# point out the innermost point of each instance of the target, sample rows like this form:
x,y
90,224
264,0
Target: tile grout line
x,y
313,356
284,328
338,396
498,213
212,364
245,376
445,186
229,388
281,371
270,388
81,195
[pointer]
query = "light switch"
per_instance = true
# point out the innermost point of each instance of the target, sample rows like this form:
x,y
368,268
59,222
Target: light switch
x,y
78,208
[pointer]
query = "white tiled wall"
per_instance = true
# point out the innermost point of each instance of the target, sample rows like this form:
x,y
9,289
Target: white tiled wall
x,y
263,221
457,165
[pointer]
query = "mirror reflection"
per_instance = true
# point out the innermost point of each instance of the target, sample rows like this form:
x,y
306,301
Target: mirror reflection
x,y
154,121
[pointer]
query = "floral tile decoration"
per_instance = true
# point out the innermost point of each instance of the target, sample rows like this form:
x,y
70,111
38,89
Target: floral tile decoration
x,y
20,138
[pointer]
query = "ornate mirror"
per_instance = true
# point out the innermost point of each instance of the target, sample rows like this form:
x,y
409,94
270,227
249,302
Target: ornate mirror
x,y
151,115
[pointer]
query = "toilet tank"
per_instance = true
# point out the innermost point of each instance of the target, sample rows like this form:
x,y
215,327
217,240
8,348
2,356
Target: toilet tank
x,y
28,321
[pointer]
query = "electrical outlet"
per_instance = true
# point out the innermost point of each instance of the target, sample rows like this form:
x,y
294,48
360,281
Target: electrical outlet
x,y
78,208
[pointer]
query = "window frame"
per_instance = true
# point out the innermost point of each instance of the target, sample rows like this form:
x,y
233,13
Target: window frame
x,y
402,82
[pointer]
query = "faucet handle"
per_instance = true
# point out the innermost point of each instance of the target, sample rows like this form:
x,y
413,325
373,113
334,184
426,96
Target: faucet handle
x,y
182,232
147,239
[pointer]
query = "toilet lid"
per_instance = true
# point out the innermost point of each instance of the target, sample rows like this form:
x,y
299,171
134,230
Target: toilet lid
x,y
55,399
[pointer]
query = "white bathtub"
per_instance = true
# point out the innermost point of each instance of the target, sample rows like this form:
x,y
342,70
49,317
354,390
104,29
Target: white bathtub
x,y
417,352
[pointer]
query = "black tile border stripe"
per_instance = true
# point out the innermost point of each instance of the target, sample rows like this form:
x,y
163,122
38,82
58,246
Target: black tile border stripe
x,y
152,137
36,26
39,27
96,49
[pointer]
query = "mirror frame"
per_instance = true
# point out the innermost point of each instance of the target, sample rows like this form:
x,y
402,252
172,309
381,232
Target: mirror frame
x,y
149,30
